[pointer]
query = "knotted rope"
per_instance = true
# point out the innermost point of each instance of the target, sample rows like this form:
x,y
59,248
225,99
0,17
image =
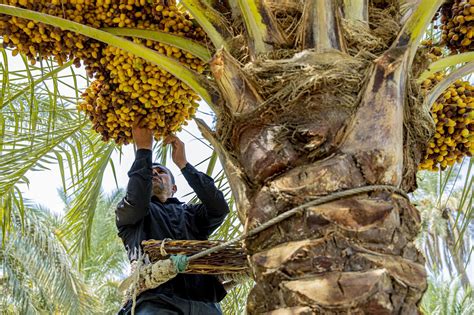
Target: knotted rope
x,y
161,271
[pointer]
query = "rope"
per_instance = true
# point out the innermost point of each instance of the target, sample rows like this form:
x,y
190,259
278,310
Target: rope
x,y
180,262
136,279
291,212
162,247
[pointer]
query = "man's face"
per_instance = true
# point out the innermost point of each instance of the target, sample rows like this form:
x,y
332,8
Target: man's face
x,y
162,183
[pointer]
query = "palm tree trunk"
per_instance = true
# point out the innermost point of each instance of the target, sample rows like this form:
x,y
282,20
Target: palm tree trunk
x,y
315,123
354,255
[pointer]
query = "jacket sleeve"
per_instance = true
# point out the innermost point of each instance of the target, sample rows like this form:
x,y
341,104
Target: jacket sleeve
x,y
211,213
135,205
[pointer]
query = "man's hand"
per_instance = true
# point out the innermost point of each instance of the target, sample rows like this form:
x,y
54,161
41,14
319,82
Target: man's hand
x,y
142,137
178,154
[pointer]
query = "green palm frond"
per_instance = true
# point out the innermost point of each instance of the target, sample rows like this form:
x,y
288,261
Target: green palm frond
x,y
445,202
416,25
40,275
19,298
445,63
452,77
447,298
59,136
211,21
236,300
86,191
107,255
180,42
25,149
107,260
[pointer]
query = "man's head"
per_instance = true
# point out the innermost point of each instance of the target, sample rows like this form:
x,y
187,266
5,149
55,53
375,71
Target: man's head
x,y
163,182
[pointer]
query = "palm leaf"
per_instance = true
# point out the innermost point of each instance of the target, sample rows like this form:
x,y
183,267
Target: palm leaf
x,y
210,20
180,42
38,270
445,63
86,193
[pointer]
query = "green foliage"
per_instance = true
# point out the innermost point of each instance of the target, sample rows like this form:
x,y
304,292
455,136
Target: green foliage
x,y
40,276
447,298
37,275
445,202
106,263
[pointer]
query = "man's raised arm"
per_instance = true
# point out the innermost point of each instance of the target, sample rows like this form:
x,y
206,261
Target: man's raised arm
x,y
135,205
214,207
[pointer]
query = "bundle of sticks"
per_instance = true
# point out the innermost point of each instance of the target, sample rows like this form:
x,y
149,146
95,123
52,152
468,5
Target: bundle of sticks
x,y
231,260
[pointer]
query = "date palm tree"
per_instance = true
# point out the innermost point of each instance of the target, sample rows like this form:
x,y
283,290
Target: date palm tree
x,y
445,203
311,98
36,273
447,297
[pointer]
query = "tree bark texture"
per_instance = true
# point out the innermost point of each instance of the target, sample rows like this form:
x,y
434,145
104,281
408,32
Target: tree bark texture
x,y
293,129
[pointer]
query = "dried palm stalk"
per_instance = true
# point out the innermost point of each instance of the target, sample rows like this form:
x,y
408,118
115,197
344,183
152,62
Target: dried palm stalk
x,y
229,261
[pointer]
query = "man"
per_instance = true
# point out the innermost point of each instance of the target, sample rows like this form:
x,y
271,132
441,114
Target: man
x,y
149,211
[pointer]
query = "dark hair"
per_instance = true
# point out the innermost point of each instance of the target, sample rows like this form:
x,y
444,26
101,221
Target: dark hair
x,y
158,165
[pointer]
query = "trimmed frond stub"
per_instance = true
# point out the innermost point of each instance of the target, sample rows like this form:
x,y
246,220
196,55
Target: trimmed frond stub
x,y
238,91
321,27
356,10
263,32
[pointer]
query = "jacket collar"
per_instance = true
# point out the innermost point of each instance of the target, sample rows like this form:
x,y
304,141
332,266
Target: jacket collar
x,y
168,201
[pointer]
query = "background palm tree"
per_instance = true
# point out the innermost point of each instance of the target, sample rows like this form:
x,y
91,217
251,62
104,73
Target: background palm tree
x,y
447,297
37,274
281,142
445,202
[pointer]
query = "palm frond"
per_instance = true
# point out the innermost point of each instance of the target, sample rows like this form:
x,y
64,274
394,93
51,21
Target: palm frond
x,y
16,293
86,193
40,274
210,20
107,261
107,255
254,24
447,298
180,42
28,144
445,202
453,76
236,300
416,25
446,63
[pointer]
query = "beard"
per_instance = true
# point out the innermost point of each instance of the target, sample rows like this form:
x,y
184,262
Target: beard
x,y
159,188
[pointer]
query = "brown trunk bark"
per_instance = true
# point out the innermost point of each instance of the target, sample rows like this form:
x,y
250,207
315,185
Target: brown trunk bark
x,y
296,129
354,255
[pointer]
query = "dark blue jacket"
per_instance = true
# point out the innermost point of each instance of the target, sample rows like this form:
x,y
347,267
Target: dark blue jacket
x,y
141,216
